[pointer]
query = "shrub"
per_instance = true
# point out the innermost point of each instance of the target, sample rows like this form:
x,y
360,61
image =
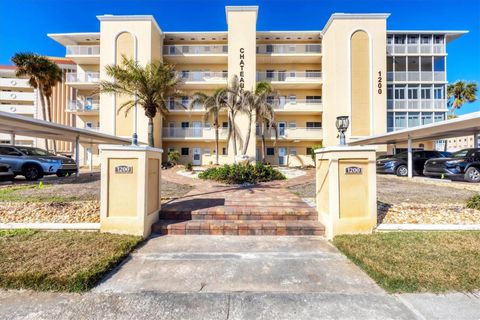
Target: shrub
x,y
173,157
474,202
189,167
242,173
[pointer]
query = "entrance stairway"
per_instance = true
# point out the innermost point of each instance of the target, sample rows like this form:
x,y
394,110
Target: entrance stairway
x,y
212,217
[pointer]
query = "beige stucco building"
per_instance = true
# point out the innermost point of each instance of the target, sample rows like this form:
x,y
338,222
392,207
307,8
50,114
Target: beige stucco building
x,y
354,66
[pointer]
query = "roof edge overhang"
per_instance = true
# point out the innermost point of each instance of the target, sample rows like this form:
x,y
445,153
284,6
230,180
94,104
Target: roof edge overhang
x,y
109,17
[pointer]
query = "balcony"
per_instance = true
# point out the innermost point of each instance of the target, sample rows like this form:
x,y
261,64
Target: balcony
x,y
14,83
310,106
298,133
196,53
86,80
417,105
18,108
292,79
84,54
289,53
84,106
416,76
197,133
204,79
405,49
184,105
17,96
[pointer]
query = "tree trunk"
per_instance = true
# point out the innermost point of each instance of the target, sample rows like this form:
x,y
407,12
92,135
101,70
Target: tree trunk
x,y
49,112
234,130
216,144
249,130
44,112
150,132
263,143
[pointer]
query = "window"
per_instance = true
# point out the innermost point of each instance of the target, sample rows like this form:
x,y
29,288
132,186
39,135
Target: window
x,y
439,64
426,92
400,120
389,64
270,151
293,151
185,102
412,39
413,119
206,151
224,151
390,39
426,64
399,39
400,63
269,48
427,117
184,151
270,74
224,124
292,125
438,39
390,121
399,92
309,150
439,116
185,125
171,103
313,99
426,39
389,92
292,99
312,73
412,92
438,92
312,125
413,63
6,150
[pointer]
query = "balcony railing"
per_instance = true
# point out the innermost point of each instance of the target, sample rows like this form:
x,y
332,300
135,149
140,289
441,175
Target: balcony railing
x,y
83,50
17,96
184,104
295,133
86,77
416,76
14,83
420,104
84,106
416,48
288,48
299,104
175,50
203,76
194,132
289,76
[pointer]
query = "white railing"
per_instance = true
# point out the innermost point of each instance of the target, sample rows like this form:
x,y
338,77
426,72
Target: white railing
x,y
176,50
300,104
295,133
288,48
416,48
84,106
203,76
86,77
418,104
289,76
83,50
194,133
415,76
183,104
14,82
17,96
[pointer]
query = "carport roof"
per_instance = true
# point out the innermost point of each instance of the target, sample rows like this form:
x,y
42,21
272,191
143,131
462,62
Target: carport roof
x,y
25,126
462,126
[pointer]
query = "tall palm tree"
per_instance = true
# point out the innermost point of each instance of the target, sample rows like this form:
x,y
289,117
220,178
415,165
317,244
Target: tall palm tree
x,y
232,99
151,86
459,93
36,68
53,76
261,104
212,106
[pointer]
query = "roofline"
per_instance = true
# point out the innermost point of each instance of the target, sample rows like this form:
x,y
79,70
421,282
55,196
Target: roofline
x,y
109,17
343,16
430,31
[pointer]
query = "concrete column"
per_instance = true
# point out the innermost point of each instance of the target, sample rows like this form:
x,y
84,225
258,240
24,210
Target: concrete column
x,y
346,189
77,155
242,63
130,189
410,158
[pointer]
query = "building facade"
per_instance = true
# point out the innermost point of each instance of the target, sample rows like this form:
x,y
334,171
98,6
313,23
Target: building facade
x,y
353,67
17,96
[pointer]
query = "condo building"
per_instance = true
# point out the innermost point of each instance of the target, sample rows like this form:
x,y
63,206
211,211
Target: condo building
x,y
382,80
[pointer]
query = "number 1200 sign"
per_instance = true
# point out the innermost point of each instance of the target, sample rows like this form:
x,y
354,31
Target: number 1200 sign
x,y
379,84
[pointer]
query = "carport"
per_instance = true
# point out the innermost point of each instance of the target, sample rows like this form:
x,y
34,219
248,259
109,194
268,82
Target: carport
x,y
462,126
20,125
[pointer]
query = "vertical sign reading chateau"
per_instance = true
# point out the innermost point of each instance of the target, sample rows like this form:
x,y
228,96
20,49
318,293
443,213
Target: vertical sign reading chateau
x,y
242,73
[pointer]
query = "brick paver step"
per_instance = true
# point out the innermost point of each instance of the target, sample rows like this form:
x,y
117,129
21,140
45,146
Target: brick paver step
x,y
238,227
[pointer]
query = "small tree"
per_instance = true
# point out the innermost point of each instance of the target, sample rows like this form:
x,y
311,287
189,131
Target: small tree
x,y
459,93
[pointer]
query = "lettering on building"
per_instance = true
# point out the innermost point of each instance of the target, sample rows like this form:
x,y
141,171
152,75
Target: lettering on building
x,y
242,72
379,83
123,169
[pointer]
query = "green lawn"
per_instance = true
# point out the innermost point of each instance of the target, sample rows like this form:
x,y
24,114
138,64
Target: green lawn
x,y
417,261
59,261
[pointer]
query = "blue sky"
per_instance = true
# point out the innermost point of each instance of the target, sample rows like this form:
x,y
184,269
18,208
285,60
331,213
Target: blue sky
x,y
24,24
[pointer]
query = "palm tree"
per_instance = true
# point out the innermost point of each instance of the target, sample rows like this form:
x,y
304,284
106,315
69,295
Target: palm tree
x,y
53,75
262,103
232,98
212,106
459,93
36,68
150,86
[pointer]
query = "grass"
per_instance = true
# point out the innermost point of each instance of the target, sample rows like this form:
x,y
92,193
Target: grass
x,y
417,261
59,261
14,194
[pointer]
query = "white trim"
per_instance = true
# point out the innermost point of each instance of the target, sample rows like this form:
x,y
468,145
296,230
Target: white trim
x,y
108,17
344,149
361,16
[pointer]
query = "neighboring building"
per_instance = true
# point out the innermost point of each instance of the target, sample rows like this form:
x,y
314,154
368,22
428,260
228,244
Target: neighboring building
x,y
457,143
17,96
340,70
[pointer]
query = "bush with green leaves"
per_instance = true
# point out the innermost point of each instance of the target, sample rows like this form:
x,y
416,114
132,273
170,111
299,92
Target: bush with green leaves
x,y
189,166
474,202
173,157
242,173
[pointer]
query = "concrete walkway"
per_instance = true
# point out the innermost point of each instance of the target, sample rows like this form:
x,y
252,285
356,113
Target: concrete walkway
x,y
234,277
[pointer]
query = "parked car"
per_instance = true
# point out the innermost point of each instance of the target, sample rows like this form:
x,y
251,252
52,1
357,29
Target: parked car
x,y
6,173
463,165
34,163
398,164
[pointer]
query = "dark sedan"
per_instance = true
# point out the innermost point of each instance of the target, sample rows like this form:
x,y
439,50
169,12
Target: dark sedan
x,y
461,165
398,164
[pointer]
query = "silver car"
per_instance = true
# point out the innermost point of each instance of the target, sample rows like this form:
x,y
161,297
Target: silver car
x,y
34,163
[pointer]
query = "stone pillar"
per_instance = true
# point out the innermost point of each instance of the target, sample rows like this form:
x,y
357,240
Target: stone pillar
x,y
130,189
242,28
346,189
